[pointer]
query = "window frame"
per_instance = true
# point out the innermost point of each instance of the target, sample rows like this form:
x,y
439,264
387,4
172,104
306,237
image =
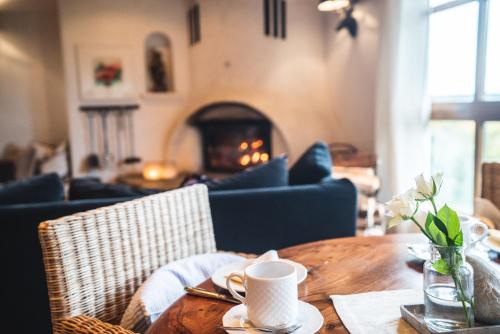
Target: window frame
x,y
479,109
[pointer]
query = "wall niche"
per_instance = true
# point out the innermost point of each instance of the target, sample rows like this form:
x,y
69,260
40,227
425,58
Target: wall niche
x,y
159,65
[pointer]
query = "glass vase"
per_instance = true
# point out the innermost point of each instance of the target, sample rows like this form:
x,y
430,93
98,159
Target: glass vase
x,y
448,290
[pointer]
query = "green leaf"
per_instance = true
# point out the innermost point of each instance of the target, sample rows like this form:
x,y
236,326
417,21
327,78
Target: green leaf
x,y
459,239
428,222
450,218
428,229
438,237
441,267
440,225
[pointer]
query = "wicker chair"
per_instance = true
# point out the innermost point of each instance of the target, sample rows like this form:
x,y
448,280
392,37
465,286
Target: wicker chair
x,y
96,260
490,188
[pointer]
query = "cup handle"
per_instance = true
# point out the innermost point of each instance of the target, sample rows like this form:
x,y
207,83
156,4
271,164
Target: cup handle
x,y
235,294
483,228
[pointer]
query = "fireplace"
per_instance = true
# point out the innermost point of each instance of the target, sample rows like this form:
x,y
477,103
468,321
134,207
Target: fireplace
x,y
234,136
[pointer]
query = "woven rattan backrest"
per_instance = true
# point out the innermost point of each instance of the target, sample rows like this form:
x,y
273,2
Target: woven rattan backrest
x,y
96,260
490,188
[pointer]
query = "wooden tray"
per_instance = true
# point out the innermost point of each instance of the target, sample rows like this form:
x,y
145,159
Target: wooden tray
x,y
414,315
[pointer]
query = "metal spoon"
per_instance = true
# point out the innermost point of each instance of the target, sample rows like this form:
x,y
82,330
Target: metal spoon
x,y
282,330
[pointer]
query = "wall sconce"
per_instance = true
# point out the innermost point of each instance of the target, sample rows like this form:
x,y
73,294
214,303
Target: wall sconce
x,y
154,171
345,7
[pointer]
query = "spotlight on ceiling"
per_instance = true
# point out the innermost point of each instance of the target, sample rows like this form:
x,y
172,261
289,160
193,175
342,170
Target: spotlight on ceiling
x,y
333,5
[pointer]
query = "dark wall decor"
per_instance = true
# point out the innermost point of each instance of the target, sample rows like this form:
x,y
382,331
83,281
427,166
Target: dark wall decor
x,y
194,24
345,9
275,22
159,66
348,22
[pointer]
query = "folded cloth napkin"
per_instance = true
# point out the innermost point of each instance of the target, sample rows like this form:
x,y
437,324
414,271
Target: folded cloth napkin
x,y
376,312
167,284
270,255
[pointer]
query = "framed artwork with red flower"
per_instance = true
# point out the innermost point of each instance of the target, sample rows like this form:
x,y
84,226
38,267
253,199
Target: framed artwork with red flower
x,y
105,73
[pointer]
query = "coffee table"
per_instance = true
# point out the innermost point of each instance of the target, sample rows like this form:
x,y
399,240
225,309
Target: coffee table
x,y
355,265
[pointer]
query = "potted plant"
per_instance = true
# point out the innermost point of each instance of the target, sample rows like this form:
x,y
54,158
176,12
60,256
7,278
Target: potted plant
x,y
448,278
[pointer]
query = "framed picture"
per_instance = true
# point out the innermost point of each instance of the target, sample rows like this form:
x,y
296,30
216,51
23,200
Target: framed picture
x,y
105,73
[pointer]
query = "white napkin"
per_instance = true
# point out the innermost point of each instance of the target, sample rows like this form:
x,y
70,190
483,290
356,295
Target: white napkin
x,y
376,312
270,255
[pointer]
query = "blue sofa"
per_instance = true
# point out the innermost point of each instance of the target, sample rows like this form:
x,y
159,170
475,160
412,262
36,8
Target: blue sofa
x,y
256,220
246,220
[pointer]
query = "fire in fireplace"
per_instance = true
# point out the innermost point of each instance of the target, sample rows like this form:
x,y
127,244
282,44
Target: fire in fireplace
x,y
234,136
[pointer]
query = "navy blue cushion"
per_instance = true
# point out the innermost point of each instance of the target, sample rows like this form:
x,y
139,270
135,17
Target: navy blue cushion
x,y
93,188
37,189
272,174
313,166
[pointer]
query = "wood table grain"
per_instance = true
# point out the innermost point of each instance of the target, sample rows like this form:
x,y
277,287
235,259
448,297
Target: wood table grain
x,y
355,265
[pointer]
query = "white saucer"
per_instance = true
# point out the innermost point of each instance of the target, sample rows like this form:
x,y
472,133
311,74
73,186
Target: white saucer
x,y
309,317
419,251
220,275
489,243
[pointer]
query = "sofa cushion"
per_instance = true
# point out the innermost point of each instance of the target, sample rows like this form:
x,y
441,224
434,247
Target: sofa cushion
x,y
93,188
41,188
313,166
167,284
272,174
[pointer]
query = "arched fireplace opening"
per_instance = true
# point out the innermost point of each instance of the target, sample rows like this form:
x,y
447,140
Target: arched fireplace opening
x,y
234,136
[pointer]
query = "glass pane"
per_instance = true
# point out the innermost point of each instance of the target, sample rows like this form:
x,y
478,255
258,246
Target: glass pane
x,y
452,53
492,83
435,3
491,148
453,153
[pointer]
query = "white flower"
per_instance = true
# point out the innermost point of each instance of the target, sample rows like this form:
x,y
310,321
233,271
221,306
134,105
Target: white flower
x,y
428,188
402,207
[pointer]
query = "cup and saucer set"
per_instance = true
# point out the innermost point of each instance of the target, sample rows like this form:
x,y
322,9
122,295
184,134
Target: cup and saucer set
x,y
271,302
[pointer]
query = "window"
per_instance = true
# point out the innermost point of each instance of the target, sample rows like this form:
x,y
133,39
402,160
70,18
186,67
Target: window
x,y
435,3
492,79
452,144
464,84
491,149
452,53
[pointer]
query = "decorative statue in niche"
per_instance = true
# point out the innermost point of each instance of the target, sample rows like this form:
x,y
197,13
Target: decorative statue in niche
x,y
157,71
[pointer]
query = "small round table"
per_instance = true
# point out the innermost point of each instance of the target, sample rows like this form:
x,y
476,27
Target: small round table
x,y
355,265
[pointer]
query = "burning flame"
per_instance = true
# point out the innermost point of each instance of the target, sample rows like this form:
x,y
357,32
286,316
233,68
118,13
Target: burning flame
x,y
255,157
245,160
243,146
252,153
256,144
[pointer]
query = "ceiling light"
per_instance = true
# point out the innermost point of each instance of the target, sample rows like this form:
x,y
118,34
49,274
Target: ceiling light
x,y
332,5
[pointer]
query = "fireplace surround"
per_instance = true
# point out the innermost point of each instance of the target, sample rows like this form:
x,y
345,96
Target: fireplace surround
x,y
234,136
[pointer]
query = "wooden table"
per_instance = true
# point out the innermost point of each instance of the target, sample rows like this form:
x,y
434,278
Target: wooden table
x,y
355,265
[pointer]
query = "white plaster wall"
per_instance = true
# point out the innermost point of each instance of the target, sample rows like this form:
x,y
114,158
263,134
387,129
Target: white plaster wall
x,y
316,84
284,79
352,66
126,22
32,93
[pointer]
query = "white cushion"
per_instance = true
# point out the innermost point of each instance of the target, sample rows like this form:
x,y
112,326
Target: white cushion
x,y
167,284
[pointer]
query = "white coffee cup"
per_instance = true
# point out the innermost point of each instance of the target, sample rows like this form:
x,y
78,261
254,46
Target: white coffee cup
x,y
473,230
271,293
